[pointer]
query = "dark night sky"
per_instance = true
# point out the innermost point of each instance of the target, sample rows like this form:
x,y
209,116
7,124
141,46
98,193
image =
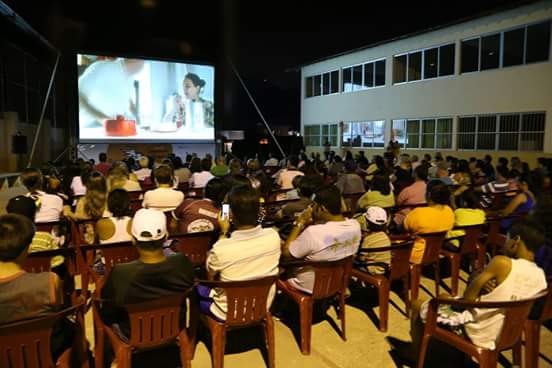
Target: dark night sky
x,y
264,38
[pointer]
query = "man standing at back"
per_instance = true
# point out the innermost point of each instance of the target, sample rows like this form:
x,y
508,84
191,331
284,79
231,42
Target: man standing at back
x,y
329,237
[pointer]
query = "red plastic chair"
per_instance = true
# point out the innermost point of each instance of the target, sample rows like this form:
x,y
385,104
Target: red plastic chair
x,y
26,344
531,331
37,262
516,313
471,246
153,324
247,306
398,270
433,244
194,245
330,281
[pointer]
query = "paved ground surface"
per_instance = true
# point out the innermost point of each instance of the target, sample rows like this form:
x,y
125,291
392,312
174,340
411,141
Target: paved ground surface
x,y
365,345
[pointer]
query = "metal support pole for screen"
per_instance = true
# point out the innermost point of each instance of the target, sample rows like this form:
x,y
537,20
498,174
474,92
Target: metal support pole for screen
x,y
257,108
43,109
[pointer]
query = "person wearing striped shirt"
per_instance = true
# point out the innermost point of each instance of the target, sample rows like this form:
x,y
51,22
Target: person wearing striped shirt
x,y
500,185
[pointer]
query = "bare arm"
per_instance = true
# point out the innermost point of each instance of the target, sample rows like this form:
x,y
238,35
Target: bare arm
x,y
302,221
497,269
513,204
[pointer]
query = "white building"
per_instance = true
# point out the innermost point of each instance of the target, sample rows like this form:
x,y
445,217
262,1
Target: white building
x,y
467,89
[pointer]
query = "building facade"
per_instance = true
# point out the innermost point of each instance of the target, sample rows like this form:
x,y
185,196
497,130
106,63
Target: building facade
x,y
482,86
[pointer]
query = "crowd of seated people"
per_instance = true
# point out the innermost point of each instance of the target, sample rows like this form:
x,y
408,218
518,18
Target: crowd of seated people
x,y
397,194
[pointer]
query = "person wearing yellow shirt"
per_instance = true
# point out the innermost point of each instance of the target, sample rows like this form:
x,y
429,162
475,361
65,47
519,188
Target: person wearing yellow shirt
x,y
469,213
379,195
436,217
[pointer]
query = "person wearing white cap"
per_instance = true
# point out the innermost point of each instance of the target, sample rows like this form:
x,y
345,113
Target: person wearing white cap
x,y
152,276
374,222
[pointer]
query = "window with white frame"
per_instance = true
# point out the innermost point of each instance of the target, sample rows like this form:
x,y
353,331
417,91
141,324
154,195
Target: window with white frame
x,y
317,135
322,84
503,132
424,64
522,45
368,134
363,76
428,133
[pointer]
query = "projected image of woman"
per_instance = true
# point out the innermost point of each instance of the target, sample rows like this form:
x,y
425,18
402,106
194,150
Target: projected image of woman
x,y
199,113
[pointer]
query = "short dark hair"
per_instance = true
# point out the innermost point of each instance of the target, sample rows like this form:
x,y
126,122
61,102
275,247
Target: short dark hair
x,y
380,183
16,234
22,205
439,193
150,245
118,202
421,172
195,165
103,157
205,164
293,160
375,227
469,199
31,178
245,204
530,231
330,198
163,174
503,171
215,190
309,184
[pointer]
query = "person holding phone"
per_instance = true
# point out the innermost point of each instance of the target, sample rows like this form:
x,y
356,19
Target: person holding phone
x,y
246,253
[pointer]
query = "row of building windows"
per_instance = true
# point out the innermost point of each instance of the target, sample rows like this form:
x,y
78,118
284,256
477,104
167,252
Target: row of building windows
x,y
424,64
522,45
500,132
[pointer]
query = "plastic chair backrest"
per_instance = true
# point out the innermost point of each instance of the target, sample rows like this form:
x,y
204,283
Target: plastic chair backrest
x,y
514,320
330,277
26,344
135,195
433,244
246,300
400,260
193,245
156,322
116,253
47,226
469,242
36,263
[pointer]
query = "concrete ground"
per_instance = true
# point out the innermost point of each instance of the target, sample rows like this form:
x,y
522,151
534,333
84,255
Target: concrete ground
x,y
365,345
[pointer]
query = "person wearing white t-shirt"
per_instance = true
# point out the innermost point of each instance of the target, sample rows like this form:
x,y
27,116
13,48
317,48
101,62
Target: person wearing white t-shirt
x,y
250,252
50,206
284,178
272,161
144,171
513,275
200,179
320,233
164,198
